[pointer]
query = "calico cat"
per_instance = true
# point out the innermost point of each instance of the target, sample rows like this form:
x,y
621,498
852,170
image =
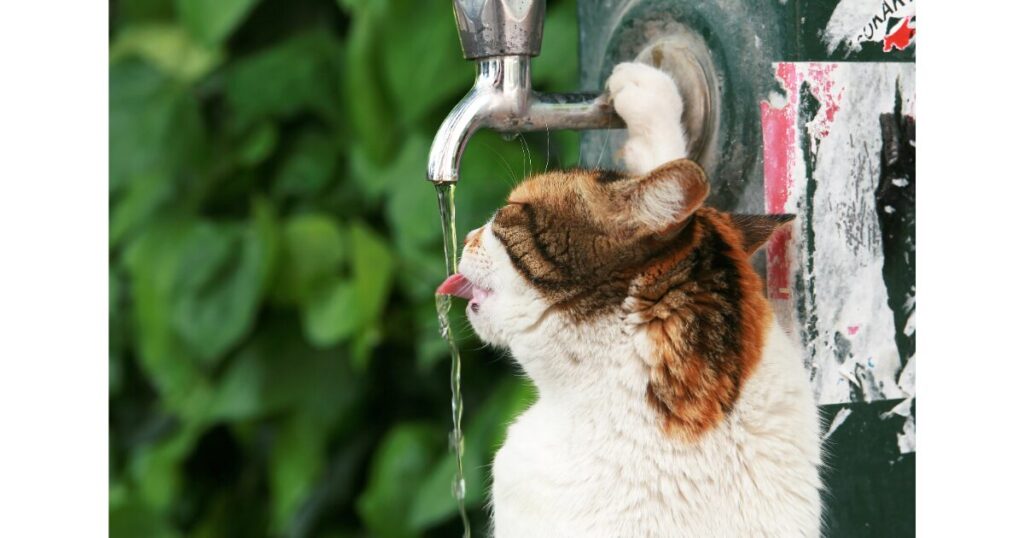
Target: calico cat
x,y
670,402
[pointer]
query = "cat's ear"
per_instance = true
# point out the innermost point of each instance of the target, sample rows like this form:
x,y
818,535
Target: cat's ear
x,y
756,229
663,200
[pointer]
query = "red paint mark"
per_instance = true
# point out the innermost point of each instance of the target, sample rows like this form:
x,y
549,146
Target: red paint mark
x,y
900,37
780,133
822,84
852,329
778,130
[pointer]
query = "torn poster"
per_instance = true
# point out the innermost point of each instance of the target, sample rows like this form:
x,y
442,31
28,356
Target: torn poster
x,y
839,152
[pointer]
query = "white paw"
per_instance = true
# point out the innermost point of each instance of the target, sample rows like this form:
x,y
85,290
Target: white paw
x,y
648,101
645,97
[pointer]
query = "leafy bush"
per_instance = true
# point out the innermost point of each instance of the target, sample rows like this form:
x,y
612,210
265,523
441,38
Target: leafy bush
x,y
275,364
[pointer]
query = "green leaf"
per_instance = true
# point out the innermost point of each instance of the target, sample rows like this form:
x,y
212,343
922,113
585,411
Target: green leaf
x,y
118,333
134,519
340,308
143,198
430,347
168,47
368,110
144,10
295,463
359,7
405,171
332,314
213,21
258,144
412,206
152,263
399,465
372,271
295,75
115,375
312,251
222,272
421,271
278,372
308,168
484,434
363,344
155,126
156,470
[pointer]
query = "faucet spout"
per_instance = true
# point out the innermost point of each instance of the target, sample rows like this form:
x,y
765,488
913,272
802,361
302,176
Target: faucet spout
x,y
502,99
451,138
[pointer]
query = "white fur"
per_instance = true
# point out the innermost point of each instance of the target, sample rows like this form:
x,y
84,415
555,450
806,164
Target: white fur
x,y
649,102
589,458
659,203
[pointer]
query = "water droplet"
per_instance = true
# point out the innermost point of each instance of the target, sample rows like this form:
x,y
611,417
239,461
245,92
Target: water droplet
x,y
458,488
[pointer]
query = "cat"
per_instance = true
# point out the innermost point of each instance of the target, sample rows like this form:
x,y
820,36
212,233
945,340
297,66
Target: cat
x,y
671,404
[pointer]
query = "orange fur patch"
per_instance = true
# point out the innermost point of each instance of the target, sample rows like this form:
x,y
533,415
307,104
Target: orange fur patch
x,y
707,339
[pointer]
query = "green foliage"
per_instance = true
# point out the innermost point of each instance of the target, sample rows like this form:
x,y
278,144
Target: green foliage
x,y
275,367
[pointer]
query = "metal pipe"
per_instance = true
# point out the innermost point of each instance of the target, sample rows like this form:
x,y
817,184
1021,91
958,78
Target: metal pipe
x,y
502,99
502,35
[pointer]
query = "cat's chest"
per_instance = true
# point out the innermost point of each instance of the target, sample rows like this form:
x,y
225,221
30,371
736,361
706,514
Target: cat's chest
x,y
574,474
567,469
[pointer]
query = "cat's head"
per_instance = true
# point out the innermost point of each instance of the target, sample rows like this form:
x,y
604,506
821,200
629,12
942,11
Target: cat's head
x,y
582,270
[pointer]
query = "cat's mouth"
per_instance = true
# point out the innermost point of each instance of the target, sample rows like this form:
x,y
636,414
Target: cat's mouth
x,y
460,286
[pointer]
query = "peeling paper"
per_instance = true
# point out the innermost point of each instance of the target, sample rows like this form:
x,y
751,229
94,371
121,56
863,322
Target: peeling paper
x,y
902,409
908,378
841,276
907,439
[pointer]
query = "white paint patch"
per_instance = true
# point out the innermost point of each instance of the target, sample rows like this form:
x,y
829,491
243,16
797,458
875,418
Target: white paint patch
x,y
907,439
902,409
851,23
908,378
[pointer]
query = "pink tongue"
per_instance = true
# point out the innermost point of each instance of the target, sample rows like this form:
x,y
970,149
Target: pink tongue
x,y
456,285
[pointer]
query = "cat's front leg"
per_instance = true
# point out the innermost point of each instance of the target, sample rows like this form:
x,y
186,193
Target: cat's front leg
x,y
649,102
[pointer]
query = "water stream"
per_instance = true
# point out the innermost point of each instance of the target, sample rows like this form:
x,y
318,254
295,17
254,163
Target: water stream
x,y
446,204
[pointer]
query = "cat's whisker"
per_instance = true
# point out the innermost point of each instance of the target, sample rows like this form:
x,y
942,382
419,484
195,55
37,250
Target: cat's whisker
x,y
511,179
527,156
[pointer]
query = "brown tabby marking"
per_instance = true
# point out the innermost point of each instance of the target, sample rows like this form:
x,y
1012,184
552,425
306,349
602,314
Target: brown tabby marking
x,y
706,317
690,284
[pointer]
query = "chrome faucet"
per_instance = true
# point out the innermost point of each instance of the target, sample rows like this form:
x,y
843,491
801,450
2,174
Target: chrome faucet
x,y
502,36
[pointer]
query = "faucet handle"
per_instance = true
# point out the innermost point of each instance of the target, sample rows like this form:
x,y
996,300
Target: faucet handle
x,y
499,27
